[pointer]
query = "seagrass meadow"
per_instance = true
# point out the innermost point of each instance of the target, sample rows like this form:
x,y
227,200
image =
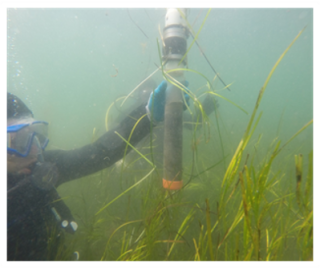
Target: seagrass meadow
x,y
247,167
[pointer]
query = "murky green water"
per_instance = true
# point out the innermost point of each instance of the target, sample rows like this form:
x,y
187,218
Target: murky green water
x,y
62,63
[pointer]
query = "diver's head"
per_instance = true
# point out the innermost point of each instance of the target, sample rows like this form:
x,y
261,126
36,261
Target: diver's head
x,y
16,109
26,137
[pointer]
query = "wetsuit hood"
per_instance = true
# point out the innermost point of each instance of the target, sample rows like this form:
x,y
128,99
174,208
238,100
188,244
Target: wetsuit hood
x,y
16,108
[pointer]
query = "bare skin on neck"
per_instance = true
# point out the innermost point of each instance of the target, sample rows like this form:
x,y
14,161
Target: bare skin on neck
x,y
20,165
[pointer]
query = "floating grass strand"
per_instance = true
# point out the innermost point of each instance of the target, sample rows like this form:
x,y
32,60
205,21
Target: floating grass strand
x,y
108,111
204,55
192,33
128,144
137,24
189,70
296,134
219,133
185,19
160,58
195,38
138,86
130,188
213,93
199,13
183,88
207,169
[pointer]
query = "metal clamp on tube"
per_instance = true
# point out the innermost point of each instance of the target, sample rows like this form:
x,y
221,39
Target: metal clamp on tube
x,y
175,36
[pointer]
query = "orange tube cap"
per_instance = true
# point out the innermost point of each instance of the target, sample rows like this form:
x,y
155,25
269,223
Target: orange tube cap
x,y
171,185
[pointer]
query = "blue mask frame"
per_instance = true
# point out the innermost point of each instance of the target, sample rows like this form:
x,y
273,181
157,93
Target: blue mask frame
x,y
41,141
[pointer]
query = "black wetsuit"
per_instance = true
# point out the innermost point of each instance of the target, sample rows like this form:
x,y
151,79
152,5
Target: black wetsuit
x,y
34,218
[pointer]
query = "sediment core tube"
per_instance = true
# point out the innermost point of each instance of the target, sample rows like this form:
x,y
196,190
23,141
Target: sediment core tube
x,y
175,36
172,151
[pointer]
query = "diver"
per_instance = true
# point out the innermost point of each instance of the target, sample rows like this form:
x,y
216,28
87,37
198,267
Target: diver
x,y
37,217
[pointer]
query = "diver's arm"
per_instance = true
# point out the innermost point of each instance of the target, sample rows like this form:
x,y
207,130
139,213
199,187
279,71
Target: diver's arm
x,y
104,152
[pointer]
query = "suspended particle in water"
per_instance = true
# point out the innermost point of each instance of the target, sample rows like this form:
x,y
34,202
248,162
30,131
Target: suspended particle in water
x,y
115,75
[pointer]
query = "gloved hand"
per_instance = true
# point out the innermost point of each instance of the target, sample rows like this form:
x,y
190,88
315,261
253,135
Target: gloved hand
x,y
156,103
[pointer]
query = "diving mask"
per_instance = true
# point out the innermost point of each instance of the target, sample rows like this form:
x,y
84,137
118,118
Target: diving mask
x,y
24,134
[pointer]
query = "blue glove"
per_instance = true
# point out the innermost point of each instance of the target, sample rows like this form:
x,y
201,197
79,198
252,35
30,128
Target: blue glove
x,y
156,103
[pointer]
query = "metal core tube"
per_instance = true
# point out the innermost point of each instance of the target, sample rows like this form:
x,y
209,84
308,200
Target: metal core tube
x,y
175,40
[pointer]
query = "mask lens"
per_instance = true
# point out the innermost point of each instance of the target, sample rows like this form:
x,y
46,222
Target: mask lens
x,y
21,139
9,140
